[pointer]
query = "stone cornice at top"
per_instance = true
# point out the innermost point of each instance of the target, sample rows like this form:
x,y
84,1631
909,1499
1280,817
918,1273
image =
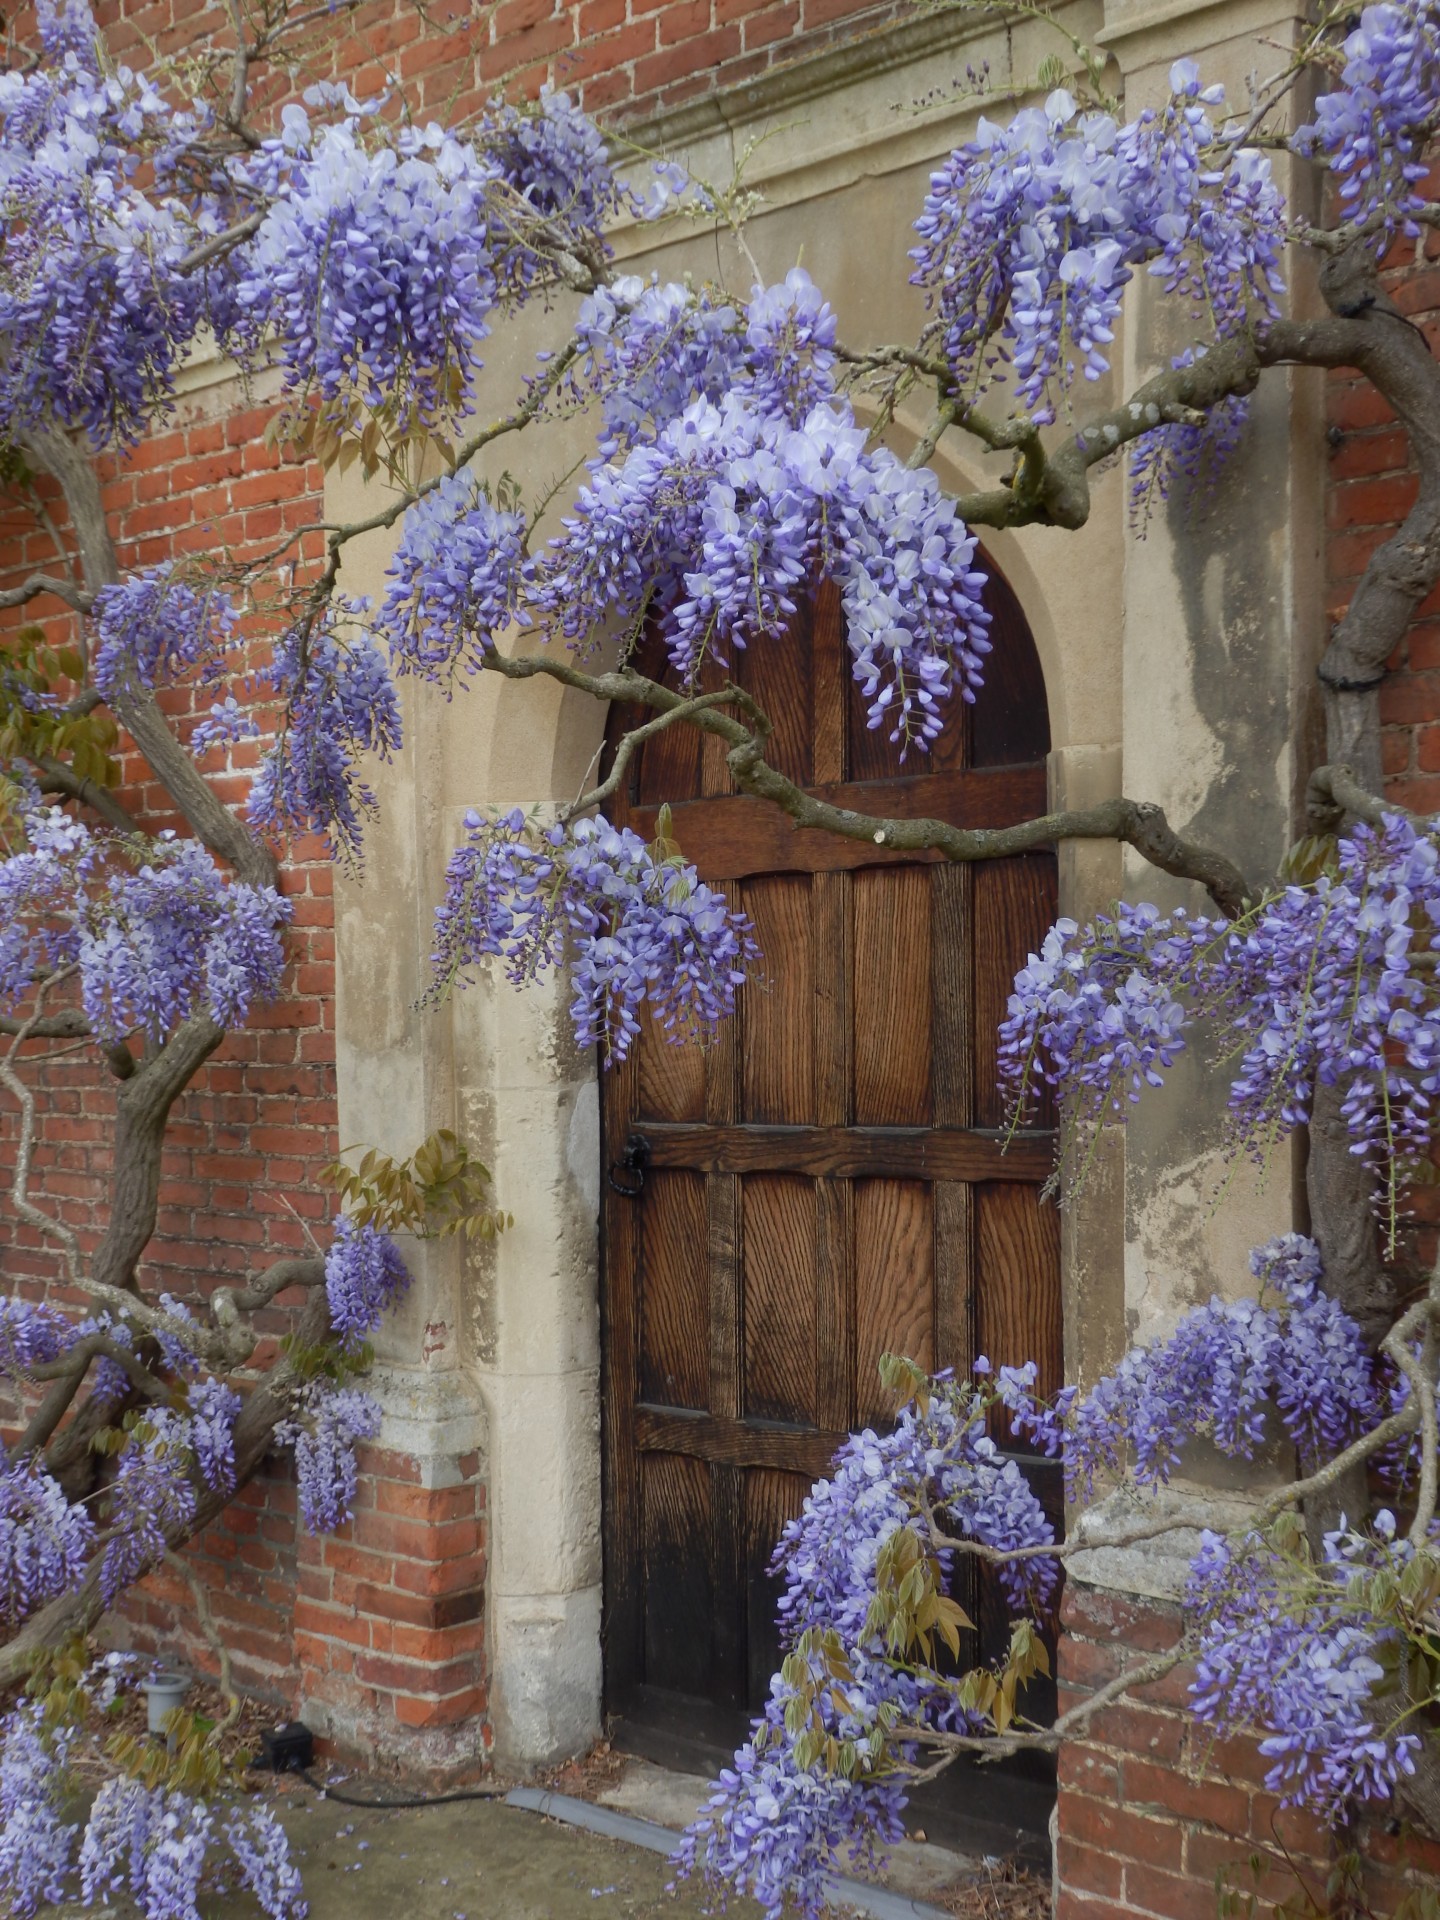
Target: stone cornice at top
x,y
875,87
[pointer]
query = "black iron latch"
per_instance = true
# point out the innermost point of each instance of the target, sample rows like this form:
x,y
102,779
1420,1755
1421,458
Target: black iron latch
x,y
633,1161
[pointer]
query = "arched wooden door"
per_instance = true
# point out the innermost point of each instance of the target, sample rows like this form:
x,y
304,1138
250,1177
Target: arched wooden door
x,y
825,1183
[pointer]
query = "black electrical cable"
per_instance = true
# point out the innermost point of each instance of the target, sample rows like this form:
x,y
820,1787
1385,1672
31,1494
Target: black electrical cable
x,y
413,1800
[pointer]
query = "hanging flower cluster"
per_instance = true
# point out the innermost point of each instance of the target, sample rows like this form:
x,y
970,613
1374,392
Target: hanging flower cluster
x,y
154,928
638,927
727,517
1329,983
340,704
161,628
458,577
1303,1652
1031,232
1306,1653
1374,127
329,1423
364,1278
781,1814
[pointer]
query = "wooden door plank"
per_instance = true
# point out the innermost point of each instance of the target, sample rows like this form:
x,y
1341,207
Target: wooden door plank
x,y
723,1244
829,683
779,1309
894,1286
834,1302
952,995
833,1023
770,1499
730,1619
1017,1256
847,1153
672,1078
780,679
954,1275
1014,905
674,1308
890,998
679,1589
831,919
777,1076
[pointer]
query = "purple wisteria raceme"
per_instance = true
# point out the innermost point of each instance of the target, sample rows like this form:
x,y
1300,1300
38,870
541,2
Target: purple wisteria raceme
x,y
722,523
66,27
160,627
45,1541
1375,125
1299,1652
560,187
776,1821
212,1409
650,350
153,942
1223,1371
32,1333
639,928
176,938
151,1499
458,576
364,1278
94,314
262,1851
339,705
374,267
328,1425
150,1843
1031,231
36,1844
1329,982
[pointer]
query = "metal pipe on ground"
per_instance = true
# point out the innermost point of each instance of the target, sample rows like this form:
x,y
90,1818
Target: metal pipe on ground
x,y
875,1902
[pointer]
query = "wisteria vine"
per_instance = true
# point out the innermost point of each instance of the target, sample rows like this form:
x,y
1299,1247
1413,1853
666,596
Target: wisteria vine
x,y
366,257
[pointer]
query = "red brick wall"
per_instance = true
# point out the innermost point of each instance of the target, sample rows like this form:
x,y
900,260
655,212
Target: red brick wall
x,y
620,57
1155,1813
249,1137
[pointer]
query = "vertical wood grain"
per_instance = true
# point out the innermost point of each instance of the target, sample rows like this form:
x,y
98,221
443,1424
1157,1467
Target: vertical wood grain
x,y
723,1251
779,677
679,1591
829,686
1017,1259
672,1079
778,1230
778,1067
675,1302
954,1275
952,989
891,996
1014,904
894,1286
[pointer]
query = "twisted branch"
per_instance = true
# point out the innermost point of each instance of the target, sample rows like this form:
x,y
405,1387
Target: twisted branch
x,y
1136,823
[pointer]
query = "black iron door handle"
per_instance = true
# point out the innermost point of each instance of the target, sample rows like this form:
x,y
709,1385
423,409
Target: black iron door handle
x,y
633,1161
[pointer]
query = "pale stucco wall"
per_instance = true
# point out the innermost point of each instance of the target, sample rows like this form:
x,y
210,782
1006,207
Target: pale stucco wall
x,y
1173,666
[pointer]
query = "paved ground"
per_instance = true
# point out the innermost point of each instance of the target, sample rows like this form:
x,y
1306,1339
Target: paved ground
x,y
478,1861
483,1860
